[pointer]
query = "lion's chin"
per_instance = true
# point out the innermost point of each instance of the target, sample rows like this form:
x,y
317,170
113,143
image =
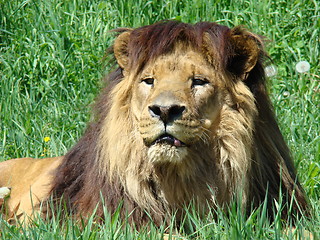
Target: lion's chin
x,y
166,153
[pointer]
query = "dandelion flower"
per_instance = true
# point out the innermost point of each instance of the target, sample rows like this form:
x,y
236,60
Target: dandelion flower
x,y
271,70
4,192
46,139
286,94
302,66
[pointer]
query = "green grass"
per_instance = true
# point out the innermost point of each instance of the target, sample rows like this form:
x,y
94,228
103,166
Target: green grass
x,y
217,225
50,67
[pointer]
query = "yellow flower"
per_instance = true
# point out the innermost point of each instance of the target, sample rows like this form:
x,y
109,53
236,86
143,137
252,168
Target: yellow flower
x,y
46,139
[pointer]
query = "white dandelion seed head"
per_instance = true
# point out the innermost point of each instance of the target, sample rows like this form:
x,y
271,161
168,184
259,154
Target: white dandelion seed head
x,y
4,192
271,70
302,66
286,94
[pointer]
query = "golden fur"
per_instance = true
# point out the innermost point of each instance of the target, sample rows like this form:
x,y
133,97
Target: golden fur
x,y
29,180
185,118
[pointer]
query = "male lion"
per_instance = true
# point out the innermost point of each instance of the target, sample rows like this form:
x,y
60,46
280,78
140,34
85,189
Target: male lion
x,y
185,118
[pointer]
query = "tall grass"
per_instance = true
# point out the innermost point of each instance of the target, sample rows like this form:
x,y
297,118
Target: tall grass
x,y
219,224
51,62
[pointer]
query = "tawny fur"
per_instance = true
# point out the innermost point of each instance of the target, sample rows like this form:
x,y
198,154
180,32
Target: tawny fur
x,y
233,145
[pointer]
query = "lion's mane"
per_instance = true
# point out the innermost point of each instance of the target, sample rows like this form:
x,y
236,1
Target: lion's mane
x,y
109,161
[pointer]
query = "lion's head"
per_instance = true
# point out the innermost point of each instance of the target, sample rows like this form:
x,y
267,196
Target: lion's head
x,y
186,117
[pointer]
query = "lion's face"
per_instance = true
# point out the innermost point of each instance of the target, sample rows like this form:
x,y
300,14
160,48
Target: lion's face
x,y
175,103
181,97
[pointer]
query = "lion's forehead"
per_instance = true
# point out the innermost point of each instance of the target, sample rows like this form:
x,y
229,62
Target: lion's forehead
x,y
188,62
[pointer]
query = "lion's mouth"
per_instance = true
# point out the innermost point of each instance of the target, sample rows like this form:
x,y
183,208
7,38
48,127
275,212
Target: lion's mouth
x,y
169,139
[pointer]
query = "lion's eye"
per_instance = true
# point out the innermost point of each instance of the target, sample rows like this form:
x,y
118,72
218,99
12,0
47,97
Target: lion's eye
x,y
199,82
148,81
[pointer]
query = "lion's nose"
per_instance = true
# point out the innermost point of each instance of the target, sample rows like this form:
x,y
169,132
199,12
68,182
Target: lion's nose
x,y
166,113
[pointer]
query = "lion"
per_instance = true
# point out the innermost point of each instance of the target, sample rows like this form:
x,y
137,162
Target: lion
x,y
184,118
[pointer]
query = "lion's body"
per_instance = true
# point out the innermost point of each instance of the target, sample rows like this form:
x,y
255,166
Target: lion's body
x,y
30,182
185,119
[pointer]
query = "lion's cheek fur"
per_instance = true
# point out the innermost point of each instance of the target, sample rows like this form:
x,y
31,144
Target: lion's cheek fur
x,y
114,152
235,140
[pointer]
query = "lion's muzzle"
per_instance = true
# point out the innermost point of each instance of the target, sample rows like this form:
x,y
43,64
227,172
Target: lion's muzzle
x,y
166,114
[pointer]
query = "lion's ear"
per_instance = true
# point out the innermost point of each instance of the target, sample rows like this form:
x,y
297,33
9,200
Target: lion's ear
x,y
244,51
120,49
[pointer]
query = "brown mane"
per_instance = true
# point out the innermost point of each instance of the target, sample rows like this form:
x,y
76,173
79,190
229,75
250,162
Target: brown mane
x,y
81,181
